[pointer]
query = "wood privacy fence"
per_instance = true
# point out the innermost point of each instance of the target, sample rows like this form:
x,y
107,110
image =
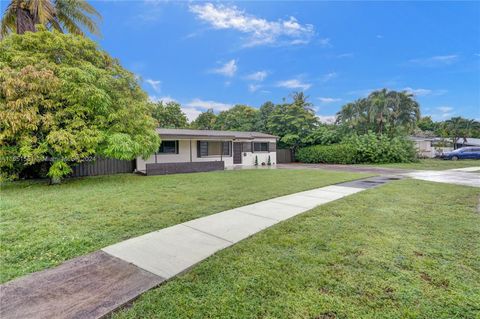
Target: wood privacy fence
x,y
103,166
284,156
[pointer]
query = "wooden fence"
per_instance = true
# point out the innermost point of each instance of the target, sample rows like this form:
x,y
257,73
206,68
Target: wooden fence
x,y
284,156
103,166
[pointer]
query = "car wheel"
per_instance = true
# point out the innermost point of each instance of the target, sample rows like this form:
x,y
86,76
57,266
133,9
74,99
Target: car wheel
x,y
454,158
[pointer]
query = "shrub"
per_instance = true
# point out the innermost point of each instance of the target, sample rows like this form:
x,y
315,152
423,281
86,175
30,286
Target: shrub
x,y
367,148
335,153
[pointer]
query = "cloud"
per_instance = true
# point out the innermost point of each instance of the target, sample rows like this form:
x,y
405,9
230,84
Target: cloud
x,y
155,84
438,60
345,55
424,92
216,106
253,87
329,76
379,36
257,76
445,111
325,42
326,100
294,84
259,31
328,119
228,69
191,113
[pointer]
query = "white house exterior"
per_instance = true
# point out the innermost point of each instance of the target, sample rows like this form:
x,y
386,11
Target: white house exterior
x,y
185,150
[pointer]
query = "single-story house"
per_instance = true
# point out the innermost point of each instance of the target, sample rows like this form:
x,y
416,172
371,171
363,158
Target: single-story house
x,y
469,141
185,150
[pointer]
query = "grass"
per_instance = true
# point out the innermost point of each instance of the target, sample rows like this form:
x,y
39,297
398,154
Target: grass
x,y
433,164
42,226
408,249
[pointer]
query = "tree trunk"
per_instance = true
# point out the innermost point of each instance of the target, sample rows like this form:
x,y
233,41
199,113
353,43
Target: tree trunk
x,y
24,21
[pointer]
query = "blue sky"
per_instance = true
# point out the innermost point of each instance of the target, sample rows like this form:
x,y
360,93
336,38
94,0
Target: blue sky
x,y
212,54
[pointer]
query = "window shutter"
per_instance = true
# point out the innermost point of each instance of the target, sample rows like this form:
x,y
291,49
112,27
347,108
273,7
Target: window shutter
x,y
176,146
198,149
203,148
272,147
253,148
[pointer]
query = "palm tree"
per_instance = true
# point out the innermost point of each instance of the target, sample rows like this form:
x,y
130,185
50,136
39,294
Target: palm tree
x,y
62,15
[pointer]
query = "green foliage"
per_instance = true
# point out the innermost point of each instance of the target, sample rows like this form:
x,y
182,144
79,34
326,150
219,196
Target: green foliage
x,y
62,99
383,112
458,128
324,135
61,15
205,121
293,122
335,154
367,148
372,148
269,161
238,118
256,160
169,115
263,117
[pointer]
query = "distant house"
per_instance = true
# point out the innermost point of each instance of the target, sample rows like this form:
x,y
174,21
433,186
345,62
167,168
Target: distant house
x,y
429,147
185,150
469,141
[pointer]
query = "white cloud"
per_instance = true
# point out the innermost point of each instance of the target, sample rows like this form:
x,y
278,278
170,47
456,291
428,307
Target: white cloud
x,y
424,92
327,100
328,119
379,36
228,69
438,60
445,111
155,84
216,106
191,112
345,55
294,84
253,87
325,42
329,76
260,31
257,76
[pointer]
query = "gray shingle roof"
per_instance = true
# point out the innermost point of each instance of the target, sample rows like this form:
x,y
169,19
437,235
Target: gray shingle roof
x,y
170,132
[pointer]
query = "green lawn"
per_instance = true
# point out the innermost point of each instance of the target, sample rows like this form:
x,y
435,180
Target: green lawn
x,y
42,225
433,164
408,249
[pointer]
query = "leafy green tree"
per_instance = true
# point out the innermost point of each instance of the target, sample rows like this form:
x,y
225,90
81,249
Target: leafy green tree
x,y
263,116
205,121
238,118
293,122
382,111
426,124
63,100
169,115
61,15
458,128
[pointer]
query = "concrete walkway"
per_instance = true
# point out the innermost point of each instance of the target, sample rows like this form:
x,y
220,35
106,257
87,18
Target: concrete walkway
x,y
94,285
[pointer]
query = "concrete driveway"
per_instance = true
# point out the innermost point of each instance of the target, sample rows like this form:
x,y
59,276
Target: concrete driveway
x,y
453,176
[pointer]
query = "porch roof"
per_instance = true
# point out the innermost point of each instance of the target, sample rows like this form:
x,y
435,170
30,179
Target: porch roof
x,y
209,134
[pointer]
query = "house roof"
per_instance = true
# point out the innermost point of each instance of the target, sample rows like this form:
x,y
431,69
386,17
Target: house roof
x,y
470,141
209,134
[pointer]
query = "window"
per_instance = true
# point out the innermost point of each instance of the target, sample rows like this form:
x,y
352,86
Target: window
x,y
168,147
260,146
213,148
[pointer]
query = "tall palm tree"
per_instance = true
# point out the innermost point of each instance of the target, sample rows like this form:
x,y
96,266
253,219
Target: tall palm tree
x,y
62,15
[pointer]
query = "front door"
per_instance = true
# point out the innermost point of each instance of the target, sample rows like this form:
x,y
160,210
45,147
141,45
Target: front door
x,y
237,153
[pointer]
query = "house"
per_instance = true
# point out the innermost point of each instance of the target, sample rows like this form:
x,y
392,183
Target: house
x,y
185,150
468,141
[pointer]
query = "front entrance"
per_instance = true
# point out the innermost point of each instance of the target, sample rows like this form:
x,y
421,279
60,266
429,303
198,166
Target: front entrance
x,y
237,153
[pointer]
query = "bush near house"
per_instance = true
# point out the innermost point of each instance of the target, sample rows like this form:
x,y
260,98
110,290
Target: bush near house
x,y
367,148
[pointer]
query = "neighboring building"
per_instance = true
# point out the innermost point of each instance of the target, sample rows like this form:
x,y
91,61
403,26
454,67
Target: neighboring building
x,y
469,141
424,146
184,150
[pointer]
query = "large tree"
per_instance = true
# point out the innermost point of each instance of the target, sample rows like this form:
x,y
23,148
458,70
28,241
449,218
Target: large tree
x,y
460,129
205,121
238,118
63,100
293,122
383,112
71,16
169,115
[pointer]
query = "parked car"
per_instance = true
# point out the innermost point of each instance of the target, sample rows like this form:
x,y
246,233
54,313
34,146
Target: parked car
x,y
463,153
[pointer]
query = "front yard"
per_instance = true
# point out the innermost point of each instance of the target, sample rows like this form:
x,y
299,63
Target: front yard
x,y
42,226
408,249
